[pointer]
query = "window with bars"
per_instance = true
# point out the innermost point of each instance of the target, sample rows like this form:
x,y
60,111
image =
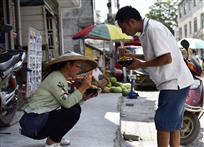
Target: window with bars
x,y
194,3
202,21
185,30
180,33
50,33
189,5
184,9
195,25
190,28
180,12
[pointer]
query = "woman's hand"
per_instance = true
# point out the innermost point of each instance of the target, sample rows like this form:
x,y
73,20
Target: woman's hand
x,y
86,83
89,96
102,83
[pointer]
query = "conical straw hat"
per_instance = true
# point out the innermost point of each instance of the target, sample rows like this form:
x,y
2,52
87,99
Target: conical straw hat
x,y
86,64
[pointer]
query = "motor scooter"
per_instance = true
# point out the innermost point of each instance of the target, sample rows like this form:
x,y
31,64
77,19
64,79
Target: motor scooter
x,y
194,101
10,62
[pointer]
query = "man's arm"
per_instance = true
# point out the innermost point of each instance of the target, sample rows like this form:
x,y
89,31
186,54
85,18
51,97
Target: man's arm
x,y
159,61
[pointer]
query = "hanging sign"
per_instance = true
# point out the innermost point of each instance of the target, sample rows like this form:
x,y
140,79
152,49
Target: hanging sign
x,y
34,61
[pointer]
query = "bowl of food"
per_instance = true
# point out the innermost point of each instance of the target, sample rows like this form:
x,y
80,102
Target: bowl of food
x,y
125,61
92,91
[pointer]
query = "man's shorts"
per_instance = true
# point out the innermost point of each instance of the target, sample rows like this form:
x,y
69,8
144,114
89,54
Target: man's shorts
x,y
169,114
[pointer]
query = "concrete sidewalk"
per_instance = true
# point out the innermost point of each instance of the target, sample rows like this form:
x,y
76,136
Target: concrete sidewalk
x,y
99,125
137,127
137,121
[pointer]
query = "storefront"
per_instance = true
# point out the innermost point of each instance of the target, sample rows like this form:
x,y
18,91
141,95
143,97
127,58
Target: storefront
x,y
9,25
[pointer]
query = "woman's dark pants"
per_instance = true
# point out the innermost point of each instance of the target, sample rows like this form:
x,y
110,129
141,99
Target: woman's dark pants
x,y
59,123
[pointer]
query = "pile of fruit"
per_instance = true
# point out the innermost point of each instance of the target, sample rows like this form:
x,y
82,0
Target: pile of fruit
x,y
117,87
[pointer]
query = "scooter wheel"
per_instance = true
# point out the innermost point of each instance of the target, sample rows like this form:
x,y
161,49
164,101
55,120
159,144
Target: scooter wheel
x,y
7,114
190,129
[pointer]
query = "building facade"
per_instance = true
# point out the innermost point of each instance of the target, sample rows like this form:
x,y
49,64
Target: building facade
x,y
75,19
9,14
190,19
46,16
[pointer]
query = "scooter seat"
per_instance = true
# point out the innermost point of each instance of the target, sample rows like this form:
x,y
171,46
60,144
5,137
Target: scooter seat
x,y
195,95
16,55
5,61
8,59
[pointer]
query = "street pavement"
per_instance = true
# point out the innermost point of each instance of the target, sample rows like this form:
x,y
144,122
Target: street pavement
x,y
100,125
96,127
137,122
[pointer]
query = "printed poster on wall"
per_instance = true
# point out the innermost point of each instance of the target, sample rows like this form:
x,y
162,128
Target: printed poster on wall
x,y
34,61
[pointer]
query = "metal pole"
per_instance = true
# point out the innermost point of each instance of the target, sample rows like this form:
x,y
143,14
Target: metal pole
x,y
118,4
110,21
6,18
110,14
61,31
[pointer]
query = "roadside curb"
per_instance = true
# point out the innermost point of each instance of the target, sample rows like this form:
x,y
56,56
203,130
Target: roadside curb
x,y
136,127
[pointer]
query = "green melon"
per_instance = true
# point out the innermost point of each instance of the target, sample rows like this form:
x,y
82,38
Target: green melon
x,y
109,84
126,85
114,89
113,80
125,92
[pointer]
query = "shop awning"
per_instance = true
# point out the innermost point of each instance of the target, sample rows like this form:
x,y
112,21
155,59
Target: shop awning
x,y
31,2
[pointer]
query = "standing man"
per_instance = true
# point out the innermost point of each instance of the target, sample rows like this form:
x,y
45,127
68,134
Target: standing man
x,y
166,68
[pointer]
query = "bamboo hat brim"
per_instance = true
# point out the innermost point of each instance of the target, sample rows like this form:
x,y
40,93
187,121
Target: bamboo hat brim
x,y
86,64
